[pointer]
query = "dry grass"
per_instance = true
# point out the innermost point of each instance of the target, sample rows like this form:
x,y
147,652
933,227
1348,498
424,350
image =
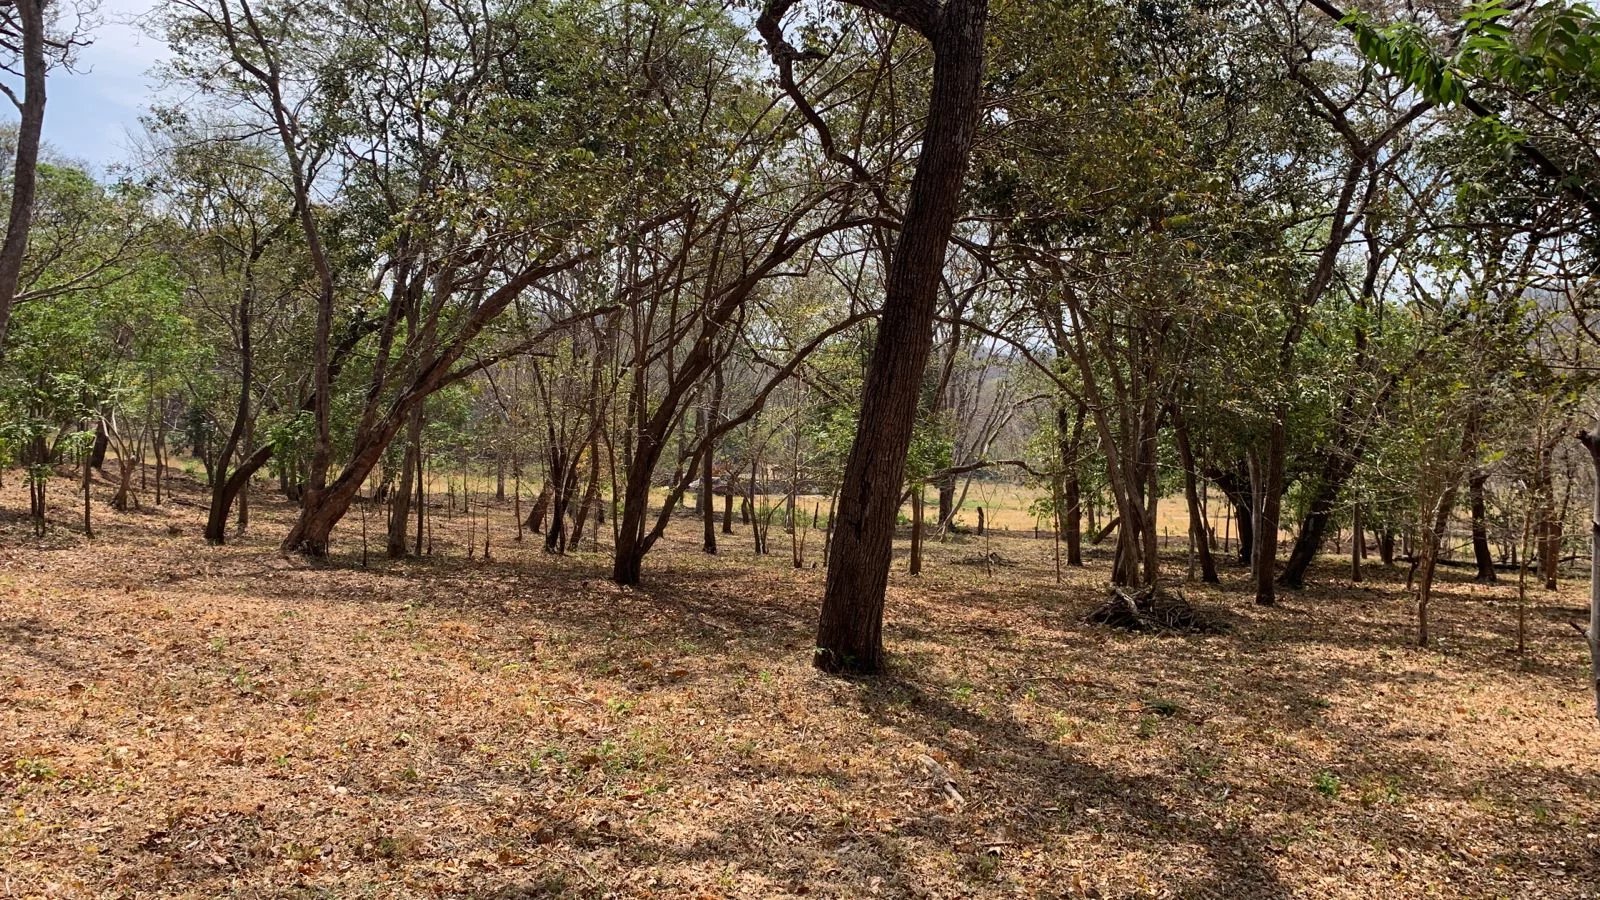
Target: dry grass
x,y
195,722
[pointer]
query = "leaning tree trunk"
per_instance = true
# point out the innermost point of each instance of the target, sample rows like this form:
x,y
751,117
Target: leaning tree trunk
x,y
1314,527
1591,441
850,628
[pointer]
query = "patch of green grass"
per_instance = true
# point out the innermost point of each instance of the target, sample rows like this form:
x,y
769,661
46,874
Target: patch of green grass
x,y
1162,707
1327,784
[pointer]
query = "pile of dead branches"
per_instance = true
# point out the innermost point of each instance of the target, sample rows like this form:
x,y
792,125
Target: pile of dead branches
x,y
1153,610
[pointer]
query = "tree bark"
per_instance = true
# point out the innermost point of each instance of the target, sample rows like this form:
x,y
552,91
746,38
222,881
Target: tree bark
x,y
25,169
1198,531
917,504
1269,500
850,628
1591,442
1481,554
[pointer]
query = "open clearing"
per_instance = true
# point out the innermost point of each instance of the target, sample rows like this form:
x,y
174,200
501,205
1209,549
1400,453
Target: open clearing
x,y
186,721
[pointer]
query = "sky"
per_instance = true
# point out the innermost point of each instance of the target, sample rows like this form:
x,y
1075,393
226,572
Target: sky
x,y
92,114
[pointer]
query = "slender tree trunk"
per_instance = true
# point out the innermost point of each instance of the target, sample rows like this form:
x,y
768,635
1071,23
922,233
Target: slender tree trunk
x,y
396,543
1197,519
24,173
1591,442
88,521
708,496
1433,533
917,504
1358,543
850,628
1270,501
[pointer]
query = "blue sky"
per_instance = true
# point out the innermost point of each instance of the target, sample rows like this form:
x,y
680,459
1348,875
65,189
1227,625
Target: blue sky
x,y
92,113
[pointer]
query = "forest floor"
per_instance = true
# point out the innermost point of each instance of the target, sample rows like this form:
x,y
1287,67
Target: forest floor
x,y
185,721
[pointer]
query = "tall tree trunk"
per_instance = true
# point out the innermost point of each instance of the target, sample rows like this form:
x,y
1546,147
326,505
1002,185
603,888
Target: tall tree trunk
x,y
917,504
1591,442
1358,543
537,510
1072,518
1070,440
1198,532
25,169
1433,533
708,495
396,543
1270,504
1481,554
591,493
850,628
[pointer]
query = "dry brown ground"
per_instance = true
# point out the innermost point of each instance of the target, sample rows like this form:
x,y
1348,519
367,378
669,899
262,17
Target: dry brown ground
x,y
183,721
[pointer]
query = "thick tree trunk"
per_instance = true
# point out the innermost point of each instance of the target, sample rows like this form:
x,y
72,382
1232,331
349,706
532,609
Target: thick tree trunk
x,y
1072,519
1314,528
536,510
1481,554
850,628
102,443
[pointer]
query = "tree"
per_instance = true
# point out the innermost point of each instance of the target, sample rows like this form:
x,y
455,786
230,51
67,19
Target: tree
x,y
850,629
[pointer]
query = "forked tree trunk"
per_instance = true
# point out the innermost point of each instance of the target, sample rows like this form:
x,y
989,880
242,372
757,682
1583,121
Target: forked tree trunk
x,y
1198,533
396,542
850,628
